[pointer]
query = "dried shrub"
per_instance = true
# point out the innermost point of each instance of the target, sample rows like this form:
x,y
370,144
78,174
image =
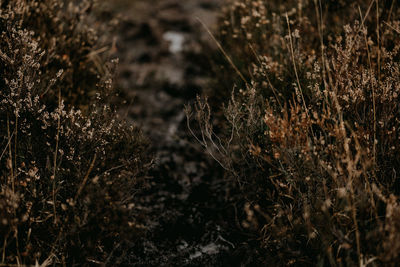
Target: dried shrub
x,y
312,134
70,166
63,29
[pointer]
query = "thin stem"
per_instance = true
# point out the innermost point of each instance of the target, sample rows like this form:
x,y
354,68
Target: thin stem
x,y
55,156
224,52
296,73
294,64
15,144
379,76
10,161
318,11
85,178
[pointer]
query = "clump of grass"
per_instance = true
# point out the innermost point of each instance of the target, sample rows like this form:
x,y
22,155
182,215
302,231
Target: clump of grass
x,y
70,166
312,133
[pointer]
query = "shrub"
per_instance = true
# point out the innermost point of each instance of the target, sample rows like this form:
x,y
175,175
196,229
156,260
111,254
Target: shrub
x,y
62,29
312,134
251,29
70,167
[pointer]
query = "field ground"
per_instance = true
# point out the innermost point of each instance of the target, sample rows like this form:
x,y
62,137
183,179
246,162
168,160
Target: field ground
x,y
188,212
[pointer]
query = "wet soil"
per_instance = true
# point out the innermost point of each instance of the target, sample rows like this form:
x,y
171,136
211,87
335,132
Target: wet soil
x,y
189,210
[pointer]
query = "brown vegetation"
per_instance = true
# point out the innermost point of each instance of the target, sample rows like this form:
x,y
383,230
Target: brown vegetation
x,y
69,166
308,131
311,130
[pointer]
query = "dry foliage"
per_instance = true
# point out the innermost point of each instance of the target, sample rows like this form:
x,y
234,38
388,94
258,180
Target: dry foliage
x,y
312,135
69,166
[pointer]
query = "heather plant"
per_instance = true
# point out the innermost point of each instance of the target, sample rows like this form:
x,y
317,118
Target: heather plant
x,y
62,29
311,130
255,30
70,166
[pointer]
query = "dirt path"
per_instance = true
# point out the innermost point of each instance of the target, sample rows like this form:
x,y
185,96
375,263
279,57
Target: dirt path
x,y
187,211
161,60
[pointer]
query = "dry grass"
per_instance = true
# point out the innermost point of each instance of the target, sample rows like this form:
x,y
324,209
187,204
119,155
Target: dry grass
x,y
312,136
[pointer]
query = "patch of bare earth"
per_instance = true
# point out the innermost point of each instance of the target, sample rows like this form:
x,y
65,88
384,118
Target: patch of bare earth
x,y
189,216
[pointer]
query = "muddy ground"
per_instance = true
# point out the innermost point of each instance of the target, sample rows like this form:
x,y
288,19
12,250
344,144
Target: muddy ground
x,y
191,214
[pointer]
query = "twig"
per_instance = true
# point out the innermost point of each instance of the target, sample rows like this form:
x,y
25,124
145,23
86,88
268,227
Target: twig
x,y
393,28
85,178
5,148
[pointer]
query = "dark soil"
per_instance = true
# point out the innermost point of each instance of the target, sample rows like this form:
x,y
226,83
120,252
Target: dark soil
x,y
190,212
